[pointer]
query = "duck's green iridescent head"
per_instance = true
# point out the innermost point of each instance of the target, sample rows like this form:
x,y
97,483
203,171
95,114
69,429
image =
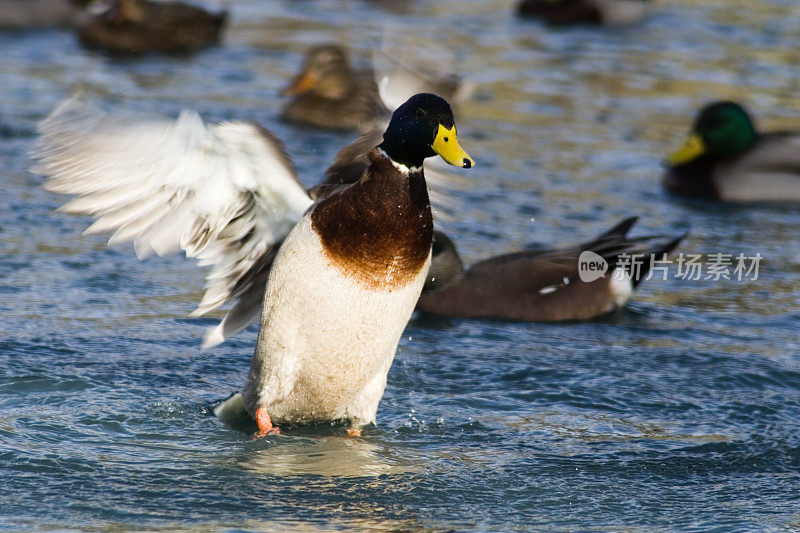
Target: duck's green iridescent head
x,y
421,128
721,129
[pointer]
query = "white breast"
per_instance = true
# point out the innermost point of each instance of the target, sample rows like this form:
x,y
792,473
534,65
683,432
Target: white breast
x,y
326,341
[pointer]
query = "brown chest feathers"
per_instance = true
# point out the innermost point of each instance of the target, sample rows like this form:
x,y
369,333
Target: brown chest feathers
x,y
379,230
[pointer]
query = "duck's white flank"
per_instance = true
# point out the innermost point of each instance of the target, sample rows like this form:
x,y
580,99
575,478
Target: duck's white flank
x,y
621,288
326,341
769,172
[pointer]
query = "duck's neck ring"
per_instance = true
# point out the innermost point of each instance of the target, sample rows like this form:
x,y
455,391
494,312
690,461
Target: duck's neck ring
x,y
404,169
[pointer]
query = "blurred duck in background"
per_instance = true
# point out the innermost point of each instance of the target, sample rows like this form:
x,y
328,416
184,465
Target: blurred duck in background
x,y
136,27
330,93
23,14
726,158
563,12
542,285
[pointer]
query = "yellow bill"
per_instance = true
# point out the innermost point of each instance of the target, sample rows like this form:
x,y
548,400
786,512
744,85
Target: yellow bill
x,y
693,148
446,145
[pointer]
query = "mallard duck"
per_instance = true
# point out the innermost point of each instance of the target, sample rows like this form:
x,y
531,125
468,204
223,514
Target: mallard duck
x,y
562,12
541,285
726,158
344,272
135,27
330,93
22,14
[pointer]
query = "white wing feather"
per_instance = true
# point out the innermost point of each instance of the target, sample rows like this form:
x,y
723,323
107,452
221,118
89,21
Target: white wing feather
x,y
226,194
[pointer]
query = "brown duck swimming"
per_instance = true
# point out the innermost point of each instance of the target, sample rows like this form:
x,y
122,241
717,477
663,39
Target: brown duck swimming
x,y
330,93
562,12
136,27
539,285
726,158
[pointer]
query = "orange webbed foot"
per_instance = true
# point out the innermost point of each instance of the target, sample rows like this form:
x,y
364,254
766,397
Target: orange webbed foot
x,y
264,422
353,432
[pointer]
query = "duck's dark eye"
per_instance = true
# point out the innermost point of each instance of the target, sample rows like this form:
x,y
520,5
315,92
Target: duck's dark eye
x,y
420,113
445,139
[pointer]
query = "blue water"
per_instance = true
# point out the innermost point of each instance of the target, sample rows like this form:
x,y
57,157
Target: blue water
x,y
680,413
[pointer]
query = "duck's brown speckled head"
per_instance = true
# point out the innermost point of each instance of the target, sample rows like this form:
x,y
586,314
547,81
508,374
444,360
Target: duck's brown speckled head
x,y
326,72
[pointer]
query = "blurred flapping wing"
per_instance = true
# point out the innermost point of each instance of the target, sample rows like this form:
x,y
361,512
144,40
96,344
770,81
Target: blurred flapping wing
x,y
227,194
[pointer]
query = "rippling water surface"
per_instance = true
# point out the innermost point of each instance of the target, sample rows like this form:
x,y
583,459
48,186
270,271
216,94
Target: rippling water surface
x,y
681,412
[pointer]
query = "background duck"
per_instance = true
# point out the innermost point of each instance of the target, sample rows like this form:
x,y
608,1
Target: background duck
x,y
22,14
347,269
561,12
330,93
726,158
539,285
135,27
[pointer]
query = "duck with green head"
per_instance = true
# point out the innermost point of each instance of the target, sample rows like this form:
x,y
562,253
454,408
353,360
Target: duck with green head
x,y
343,272
726,158
345,281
